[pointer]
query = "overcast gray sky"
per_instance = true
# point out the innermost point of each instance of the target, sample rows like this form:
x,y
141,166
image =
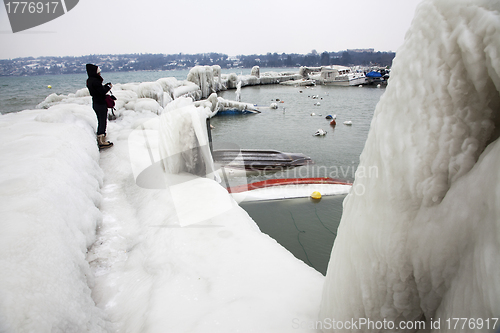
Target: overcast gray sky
x,y
226,26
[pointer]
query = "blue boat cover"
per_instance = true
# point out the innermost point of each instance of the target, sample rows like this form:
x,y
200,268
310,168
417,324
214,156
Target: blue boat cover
x,y
374,74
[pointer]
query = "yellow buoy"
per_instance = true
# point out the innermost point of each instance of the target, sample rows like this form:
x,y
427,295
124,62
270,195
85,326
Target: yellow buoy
x,y
49,86
316,195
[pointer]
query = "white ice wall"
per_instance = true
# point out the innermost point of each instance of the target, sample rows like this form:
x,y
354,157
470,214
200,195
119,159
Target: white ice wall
x,y
49,193
421,240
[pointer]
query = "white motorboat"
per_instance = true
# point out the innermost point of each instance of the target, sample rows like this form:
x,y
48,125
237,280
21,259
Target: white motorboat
x,y
337,75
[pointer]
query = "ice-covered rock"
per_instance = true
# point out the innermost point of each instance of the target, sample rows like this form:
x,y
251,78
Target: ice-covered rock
x,y
419,237
169,84
207,78
50,100
82,92
255,71
153,90
188,89
147,104
123,97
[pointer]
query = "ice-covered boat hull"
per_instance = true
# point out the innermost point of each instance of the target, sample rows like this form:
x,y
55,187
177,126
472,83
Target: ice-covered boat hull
x,y
259,160
236,112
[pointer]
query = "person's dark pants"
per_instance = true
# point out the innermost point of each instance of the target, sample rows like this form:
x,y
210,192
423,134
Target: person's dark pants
x,y
101,111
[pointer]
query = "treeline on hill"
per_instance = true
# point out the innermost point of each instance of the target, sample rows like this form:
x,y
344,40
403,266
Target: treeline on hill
x,y
314,59
139,62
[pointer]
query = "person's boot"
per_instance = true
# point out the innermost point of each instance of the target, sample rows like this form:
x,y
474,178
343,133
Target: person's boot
x,y
101,141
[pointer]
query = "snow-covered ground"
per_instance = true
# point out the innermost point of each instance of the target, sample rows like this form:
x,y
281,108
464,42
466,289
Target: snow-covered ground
x,y
423,241
173,255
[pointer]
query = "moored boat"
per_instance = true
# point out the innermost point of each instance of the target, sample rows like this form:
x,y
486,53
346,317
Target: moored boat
x,y
337,75
259,160
288,188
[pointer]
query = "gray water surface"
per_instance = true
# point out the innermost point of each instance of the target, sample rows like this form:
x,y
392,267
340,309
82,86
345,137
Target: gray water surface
x,y
305,227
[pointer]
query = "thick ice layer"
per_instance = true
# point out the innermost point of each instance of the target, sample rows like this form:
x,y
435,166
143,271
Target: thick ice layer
x,y
421,241
174,252
49,190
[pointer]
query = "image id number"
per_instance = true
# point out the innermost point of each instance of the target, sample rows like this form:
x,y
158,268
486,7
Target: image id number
x,y
471,323
17,7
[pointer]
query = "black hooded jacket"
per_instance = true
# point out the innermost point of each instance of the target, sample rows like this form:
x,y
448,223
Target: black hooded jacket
x,y
94,83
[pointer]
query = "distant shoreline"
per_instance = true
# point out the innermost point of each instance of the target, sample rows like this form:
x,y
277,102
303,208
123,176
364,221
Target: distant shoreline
x,y
161,62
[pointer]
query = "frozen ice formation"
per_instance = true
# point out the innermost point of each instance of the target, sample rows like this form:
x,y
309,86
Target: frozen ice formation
x,y
172,252
421,240
50,179
207,78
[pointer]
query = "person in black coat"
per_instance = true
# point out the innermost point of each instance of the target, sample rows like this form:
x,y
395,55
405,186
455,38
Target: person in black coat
x,y
98,92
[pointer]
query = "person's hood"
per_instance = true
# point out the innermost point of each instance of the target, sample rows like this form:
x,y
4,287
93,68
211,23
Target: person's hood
x,y
92,70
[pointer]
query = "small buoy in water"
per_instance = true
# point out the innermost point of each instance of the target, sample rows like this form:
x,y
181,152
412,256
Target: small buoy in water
x,y
320,132
316,195
317,104
49,86
273,106
349,123
329,117
282,102
333,122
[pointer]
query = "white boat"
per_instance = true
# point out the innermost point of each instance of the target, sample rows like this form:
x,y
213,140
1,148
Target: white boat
x,y
299,83
338,76
288,188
